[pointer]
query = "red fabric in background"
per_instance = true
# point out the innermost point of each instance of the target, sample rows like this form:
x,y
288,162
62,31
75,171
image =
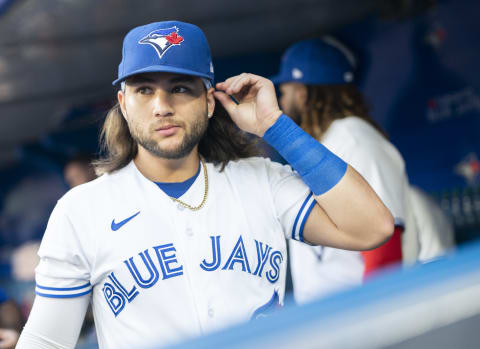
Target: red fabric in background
x,y
390,253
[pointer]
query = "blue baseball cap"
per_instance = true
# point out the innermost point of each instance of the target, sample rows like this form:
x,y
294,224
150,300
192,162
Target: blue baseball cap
x,y
171,46
320,61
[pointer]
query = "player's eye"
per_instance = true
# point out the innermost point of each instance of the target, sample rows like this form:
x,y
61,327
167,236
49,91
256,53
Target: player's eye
x,y
180,89
144,90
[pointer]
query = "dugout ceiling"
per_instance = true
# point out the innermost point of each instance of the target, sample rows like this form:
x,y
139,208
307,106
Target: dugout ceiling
x,y
55,54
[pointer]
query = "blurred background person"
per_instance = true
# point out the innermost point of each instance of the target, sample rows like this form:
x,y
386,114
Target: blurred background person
x,y
316,86
429,232
23,219
79,170
29,213
24,259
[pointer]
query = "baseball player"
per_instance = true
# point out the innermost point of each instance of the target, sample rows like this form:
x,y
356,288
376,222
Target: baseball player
x,y
316,83
184,232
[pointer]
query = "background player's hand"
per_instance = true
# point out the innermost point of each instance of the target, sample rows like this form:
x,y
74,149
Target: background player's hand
x,y
257,107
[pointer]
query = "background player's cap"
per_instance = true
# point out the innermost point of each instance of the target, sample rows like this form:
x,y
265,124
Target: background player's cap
x,y
172,46
318,61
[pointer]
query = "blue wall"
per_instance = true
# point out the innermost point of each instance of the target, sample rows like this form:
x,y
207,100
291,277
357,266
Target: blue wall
x,y
422,79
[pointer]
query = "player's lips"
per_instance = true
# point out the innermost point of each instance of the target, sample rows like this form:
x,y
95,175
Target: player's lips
x,y
167,130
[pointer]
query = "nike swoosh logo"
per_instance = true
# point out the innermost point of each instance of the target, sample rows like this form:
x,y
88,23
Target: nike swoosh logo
x,y
116,226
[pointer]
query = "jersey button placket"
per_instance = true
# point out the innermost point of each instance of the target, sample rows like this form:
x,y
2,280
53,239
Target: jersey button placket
x,y
189,231
185,220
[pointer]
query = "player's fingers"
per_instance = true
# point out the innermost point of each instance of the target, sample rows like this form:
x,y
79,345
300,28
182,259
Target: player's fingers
x,y
244,81
239,84
228,83
226,101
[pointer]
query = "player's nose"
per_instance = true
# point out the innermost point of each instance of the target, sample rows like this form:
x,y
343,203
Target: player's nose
x,y
162,105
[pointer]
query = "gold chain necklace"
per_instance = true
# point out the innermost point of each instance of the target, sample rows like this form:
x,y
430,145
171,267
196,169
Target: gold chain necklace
x,y
196,208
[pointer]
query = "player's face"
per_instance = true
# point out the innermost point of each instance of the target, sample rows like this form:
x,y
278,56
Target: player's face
x,y
290,100
167,113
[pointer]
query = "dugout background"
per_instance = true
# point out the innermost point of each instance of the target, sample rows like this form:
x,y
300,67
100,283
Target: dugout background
x,y
418,67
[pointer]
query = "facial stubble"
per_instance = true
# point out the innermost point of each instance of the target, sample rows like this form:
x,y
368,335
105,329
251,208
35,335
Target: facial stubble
x,y
190,139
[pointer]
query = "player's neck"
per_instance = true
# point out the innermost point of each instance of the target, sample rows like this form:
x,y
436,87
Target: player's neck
x,y
167,170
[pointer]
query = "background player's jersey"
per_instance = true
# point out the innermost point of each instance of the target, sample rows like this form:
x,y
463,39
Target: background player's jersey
x,y
429,233
159,272
317,271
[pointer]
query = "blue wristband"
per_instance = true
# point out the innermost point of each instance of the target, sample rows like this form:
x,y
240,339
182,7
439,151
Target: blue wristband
x,y
319,168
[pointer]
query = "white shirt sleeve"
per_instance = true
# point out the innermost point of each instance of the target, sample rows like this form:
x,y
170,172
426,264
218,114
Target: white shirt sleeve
x,y
54,323
434,231
64,268
293,201
375,158
385,173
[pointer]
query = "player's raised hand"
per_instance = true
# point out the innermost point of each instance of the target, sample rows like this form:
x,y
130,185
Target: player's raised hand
x,y
257,107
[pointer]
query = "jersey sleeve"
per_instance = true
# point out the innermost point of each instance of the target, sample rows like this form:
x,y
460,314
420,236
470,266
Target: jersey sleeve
x,y
64,270
435,232
54,323
292,199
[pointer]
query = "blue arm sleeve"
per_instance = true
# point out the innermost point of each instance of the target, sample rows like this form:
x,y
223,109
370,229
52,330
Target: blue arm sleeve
x,y
319,168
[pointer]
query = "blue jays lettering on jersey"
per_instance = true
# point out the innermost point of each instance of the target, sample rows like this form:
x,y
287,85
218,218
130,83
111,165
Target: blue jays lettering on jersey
x,y
162,39
169,272
118,293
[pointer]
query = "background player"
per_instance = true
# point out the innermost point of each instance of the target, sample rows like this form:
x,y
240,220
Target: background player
x,y
317,91
184,233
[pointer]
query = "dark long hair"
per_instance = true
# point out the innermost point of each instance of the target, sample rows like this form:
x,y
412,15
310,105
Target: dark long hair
x,y
223,141
326,103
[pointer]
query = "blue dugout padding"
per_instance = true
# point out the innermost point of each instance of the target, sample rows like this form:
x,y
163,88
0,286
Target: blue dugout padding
x,y
435,305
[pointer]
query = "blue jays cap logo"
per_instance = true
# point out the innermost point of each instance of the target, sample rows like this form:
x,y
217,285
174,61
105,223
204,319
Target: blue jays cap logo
x,y
162,39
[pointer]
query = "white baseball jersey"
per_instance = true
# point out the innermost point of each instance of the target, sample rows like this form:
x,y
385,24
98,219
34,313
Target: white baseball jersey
x,y
159,272
318,271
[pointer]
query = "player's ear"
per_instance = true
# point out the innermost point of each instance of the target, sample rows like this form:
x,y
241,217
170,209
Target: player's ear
x,y
210,102
121,102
